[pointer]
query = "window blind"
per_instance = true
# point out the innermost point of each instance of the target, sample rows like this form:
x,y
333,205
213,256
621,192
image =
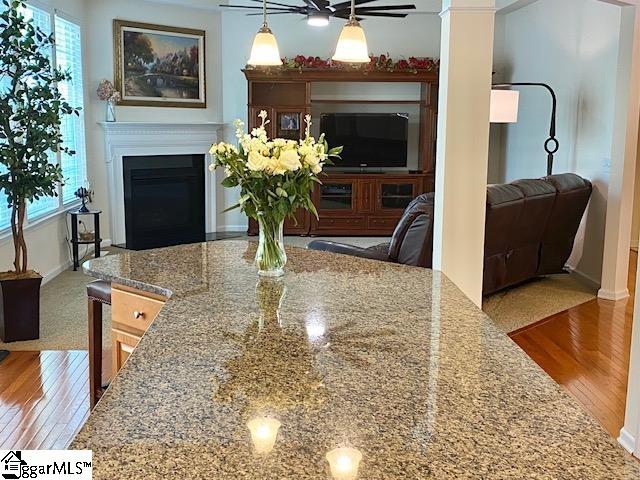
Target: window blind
x,y
69,57
42,20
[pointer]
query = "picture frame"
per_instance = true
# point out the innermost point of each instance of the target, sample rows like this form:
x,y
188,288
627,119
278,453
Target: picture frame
x,y
288,125
159,66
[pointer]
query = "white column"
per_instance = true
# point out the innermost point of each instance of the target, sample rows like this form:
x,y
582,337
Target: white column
x,y
630,433
466,58
617,240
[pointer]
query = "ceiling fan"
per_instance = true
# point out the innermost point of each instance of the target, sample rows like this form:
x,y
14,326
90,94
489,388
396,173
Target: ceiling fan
x,y
318,12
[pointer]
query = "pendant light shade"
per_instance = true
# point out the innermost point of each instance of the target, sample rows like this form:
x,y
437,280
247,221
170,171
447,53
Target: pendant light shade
x,y
352,44
264,51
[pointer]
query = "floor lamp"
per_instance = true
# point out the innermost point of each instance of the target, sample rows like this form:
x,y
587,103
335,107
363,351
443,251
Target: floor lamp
x,y
504,109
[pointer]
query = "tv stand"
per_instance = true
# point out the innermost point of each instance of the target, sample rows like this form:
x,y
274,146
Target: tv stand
x,y
349,202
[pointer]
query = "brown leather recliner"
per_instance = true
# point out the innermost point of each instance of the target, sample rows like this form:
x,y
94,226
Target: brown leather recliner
x,y
530,228
411,242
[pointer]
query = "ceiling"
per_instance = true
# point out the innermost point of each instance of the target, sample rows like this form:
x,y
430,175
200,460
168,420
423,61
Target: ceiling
x,y
422,6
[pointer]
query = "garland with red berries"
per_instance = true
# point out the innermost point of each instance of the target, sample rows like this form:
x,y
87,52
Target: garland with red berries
x,y
381,63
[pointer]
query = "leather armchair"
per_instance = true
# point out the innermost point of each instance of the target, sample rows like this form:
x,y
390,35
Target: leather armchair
x,y
411,242
530,229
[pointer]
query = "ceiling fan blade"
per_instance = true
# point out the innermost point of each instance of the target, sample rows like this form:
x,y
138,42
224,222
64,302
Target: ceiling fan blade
x,y
382,14
275,9
312,4
380,9
272,13
269,2
346,16
388,7
341,5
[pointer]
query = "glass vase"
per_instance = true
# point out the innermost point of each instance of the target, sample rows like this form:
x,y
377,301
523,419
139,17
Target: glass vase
x,y
110,113
270,257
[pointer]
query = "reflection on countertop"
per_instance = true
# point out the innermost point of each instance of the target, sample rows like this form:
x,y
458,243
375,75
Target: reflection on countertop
x,y
346,368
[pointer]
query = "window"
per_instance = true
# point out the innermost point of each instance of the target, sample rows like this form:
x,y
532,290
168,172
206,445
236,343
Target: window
x,y
67,55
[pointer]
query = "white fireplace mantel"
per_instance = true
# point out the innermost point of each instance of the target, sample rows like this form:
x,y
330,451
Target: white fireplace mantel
x,y
123,139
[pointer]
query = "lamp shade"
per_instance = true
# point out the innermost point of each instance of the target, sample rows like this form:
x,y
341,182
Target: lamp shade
x,y
504,106
352,44
264,51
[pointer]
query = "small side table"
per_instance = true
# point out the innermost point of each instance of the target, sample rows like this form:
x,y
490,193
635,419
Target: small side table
x,y
75,241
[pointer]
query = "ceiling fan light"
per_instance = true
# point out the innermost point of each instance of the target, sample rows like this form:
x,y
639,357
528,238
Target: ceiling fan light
x,y
264,51
318,19
352,44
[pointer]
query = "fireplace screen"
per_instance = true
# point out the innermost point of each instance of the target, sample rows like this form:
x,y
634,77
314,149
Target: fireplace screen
x,y
164,200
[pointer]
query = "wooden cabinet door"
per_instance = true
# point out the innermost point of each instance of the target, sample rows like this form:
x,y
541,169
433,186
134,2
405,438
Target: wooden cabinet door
x,y
365,196
337,197
122,345
394,195
133,312
302,226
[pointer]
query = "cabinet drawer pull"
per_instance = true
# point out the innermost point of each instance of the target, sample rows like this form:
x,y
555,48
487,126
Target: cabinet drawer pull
x,y
137,315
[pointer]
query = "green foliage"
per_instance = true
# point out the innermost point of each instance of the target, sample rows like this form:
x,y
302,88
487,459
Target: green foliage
x,y
276,177
31,111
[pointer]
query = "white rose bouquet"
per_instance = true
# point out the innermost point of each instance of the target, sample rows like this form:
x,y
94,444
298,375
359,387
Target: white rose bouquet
x,y
276,178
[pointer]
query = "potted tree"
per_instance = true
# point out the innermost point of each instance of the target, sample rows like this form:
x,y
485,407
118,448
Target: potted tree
x,y
31,112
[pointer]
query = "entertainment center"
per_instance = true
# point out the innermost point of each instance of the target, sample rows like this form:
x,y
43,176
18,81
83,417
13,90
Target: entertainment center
x,y
367,194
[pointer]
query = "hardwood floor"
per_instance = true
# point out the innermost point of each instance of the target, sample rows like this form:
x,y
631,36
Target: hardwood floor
x,y
44,398
586,350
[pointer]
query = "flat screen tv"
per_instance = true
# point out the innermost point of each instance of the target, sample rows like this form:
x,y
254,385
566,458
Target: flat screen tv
x,y
370,140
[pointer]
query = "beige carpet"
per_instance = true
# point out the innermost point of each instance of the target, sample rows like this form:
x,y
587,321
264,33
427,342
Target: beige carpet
x,y
63,316
536,300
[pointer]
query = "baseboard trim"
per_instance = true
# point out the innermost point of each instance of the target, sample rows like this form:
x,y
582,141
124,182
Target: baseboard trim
x,y
612,295
584,278
50,275
627,441
232,228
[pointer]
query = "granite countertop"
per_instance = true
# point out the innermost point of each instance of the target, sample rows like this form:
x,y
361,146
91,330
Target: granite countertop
x,y
390,360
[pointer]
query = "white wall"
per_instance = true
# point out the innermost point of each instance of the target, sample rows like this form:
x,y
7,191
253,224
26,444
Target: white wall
x,y
46,240
99,66
571,45
417,35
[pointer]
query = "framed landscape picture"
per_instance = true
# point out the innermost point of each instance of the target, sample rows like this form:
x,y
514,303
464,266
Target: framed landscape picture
x,y
158,66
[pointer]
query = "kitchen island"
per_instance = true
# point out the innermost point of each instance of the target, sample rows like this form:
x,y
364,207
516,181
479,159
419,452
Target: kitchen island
x,y
392,362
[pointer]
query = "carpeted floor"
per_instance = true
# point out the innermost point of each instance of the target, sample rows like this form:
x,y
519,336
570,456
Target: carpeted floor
x,y
535,300
63,305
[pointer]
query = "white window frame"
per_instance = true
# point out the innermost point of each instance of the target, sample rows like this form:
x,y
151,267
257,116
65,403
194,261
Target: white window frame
x,y
63,208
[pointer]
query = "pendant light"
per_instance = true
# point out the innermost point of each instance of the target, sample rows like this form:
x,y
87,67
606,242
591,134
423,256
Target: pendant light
x,y
264,51
352,44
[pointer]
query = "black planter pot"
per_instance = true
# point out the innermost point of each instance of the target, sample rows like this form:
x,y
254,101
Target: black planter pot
x,y
20,309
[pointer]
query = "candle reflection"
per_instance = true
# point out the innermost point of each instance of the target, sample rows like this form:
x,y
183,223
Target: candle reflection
x,y
315,326
344,463
315,331
264,431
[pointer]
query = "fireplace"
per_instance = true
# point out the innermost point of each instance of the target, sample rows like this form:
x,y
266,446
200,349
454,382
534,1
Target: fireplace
x,y
164,200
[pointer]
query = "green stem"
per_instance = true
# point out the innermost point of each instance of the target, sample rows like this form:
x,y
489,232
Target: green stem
x,y
270,255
